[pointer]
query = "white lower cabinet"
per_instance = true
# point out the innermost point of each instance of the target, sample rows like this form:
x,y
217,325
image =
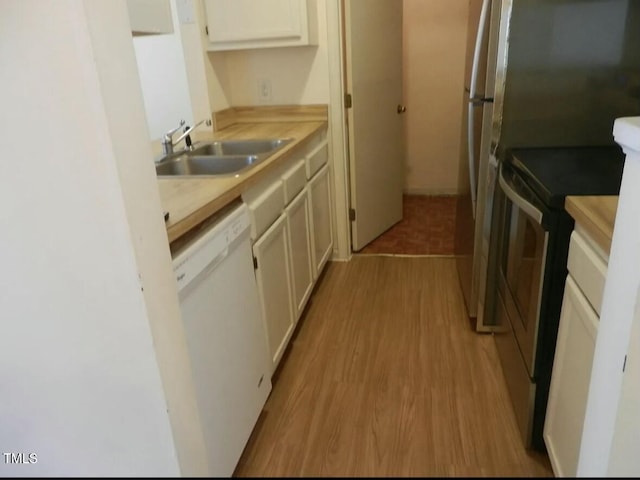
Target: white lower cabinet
x,y
320,200
271,252
573,359
291,230
298,223
570,381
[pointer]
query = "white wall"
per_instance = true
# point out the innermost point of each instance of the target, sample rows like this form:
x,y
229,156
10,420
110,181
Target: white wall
x,y
435,41
194,57
610,437
172,74
298,75
87,293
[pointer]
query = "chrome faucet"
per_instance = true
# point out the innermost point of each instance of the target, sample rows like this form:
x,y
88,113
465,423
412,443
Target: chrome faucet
x,y
167,141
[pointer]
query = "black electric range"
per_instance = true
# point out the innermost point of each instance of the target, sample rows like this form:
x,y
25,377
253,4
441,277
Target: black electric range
x,y
556,172
529,269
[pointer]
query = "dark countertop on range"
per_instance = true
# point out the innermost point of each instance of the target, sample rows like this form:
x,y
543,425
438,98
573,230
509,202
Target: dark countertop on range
x,y
555,173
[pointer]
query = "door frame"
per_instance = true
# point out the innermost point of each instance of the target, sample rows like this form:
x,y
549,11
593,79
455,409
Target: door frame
x,y
338,129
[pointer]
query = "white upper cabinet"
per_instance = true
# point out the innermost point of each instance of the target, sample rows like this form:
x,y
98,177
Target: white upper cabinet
x,y
150,16
245,24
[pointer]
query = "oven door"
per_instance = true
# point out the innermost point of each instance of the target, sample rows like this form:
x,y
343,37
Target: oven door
x,y
522,262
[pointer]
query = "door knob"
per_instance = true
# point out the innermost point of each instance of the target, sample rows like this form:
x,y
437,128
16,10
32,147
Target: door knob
x,y
401,109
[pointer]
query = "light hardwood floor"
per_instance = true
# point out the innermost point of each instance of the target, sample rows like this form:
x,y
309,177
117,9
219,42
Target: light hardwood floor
x,y
386,378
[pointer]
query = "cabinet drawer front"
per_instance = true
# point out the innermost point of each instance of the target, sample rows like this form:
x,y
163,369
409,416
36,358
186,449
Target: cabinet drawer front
x,y
588,269
266,208
294,181
317,158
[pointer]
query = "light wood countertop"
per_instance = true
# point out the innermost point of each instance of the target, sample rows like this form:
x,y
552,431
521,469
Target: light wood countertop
x,y
596,214
191,200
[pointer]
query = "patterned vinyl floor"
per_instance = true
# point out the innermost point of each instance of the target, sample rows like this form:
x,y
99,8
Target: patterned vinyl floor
x,y
427,228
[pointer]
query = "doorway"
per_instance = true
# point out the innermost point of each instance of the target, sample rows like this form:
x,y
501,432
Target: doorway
x,y
373,84
432,70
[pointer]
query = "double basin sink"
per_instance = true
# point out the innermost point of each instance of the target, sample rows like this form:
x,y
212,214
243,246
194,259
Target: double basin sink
x,y
223,157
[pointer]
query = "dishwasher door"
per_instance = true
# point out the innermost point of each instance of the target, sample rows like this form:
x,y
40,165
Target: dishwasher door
x,y
225,336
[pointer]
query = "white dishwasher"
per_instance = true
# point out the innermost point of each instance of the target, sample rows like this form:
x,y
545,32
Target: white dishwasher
x,y
225,335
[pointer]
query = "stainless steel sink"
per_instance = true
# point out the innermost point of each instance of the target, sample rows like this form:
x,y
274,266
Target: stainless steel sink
x,y
224,157
241,147
205,164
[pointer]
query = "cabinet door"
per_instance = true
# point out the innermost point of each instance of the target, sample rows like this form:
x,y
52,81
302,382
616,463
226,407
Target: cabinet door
x,y
150,16
300,251
273,276
241,24
322,227
570,380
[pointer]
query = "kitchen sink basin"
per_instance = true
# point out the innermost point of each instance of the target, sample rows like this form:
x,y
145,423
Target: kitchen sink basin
x,y
223,157
240,147
205,164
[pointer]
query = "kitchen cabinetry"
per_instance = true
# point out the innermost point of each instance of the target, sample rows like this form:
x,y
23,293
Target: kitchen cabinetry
x,y
575,346
320,201
150,16
245,24
299,229
291,231
271,252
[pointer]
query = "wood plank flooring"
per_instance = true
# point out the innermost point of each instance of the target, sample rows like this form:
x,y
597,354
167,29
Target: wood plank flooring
x,y
384,377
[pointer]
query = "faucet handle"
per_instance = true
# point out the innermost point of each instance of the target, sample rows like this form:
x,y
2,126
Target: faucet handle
x,y
170,133
188,130
187,139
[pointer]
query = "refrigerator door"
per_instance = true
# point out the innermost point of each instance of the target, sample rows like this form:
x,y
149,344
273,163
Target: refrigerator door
x,y
573,67
476,101
470,143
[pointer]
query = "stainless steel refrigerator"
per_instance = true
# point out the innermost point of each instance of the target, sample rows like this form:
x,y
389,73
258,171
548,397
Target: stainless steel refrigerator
x,y
538,73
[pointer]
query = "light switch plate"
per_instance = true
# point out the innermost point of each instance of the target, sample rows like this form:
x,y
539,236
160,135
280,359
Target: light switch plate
x,y
264,90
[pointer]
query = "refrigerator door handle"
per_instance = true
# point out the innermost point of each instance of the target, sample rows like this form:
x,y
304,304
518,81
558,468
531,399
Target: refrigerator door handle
x,y
472,102
480,100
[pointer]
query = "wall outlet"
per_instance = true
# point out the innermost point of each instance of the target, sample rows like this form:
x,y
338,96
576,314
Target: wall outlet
x,y
264,90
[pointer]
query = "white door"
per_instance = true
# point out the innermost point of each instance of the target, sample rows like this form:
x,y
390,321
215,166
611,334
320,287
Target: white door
x,y
373,38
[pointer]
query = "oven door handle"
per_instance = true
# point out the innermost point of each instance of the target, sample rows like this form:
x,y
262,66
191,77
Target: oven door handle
x,y
523,204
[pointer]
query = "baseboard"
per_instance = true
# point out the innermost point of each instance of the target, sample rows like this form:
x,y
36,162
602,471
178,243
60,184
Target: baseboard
x,y
336,258
430,191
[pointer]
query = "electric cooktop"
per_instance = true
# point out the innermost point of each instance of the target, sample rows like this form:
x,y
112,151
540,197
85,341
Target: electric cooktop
x,y
555,172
